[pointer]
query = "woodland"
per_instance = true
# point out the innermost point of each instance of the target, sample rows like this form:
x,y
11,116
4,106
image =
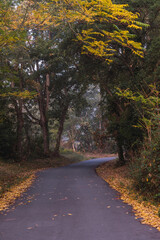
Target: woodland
x,y
82,74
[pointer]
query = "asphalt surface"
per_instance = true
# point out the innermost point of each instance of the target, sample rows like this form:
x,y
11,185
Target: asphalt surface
x,y
72,203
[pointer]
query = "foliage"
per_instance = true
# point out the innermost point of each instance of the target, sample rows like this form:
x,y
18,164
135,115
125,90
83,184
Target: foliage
x,y
146,168
7,131
141,91
17,17
105,24
129,72
147,105
7,139
39,51
9,27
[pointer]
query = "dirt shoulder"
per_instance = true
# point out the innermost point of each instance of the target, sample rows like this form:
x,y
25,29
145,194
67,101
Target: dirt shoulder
x,y
99,155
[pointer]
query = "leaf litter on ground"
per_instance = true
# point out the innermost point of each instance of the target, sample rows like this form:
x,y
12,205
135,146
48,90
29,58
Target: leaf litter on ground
x,y
118,178
17,177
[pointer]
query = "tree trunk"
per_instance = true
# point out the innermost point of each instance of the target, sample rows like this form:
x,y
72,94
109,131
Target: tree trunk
x,y
28,142
73,147
19,149
60,131
45,133
43,102
44,125
120,152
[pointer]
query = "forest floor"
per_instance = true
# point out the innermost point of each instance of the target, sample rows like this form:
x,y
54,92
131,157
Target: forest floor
x,y
118,178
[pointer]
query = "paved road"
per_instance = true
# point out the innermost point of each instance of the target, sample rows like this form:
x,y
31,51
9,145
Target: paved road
x,y
72,203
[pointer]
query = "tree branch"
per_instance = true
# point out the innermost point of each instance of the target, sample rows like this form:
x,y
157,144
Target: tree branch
x,y
31,115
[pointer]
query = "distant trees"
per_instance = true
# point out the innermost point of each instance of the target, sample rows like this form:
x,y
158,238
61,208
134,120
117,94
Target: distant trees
x,y
84,129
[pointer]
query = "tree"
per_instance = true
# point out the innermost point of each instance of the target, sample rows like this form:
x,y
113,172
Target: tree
x,y
106,32
128,71
68,92
146,170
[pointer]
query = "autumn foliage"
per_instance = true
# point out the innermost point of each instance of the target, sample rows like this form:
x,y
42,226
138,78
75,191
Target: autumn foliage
x,y
105,25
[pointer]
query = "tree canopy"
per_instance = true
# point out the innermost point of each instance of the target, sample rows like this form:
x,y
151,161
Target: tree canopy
x,y
104,25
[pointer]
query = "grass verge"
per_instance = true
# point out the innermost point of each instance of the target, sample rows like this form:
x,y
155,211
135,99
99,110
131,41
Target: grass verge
x,y
15,177
119,179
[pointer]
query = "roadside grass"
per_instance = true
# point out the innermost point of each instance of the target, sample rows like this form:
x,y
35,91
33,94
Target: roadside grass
x,y
16,177
69,154
119,179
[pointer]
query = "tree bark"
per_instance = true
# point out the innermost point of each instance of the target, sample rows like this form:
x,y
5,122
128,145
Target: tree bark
x,y
28,142
43,108
73,147
44,127
20,124
120,152
60,131
45,137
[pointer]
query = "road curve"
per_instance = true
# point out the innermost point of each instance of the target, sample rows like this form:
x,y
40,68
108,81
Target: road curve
x,y
72,203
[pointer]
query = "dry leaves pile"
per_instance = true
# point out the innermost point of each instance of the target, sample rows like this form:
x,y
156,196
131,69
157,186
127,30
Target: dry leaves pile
x,y
10,196
120,181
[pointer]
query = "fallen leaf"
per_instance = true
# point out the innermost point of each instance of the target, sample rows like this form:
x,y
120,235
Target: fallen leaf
x,y
119,180
10,219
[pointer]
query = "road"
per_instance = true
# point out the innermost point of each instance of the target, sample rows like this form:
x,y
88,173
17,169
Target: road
x,y
72,203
